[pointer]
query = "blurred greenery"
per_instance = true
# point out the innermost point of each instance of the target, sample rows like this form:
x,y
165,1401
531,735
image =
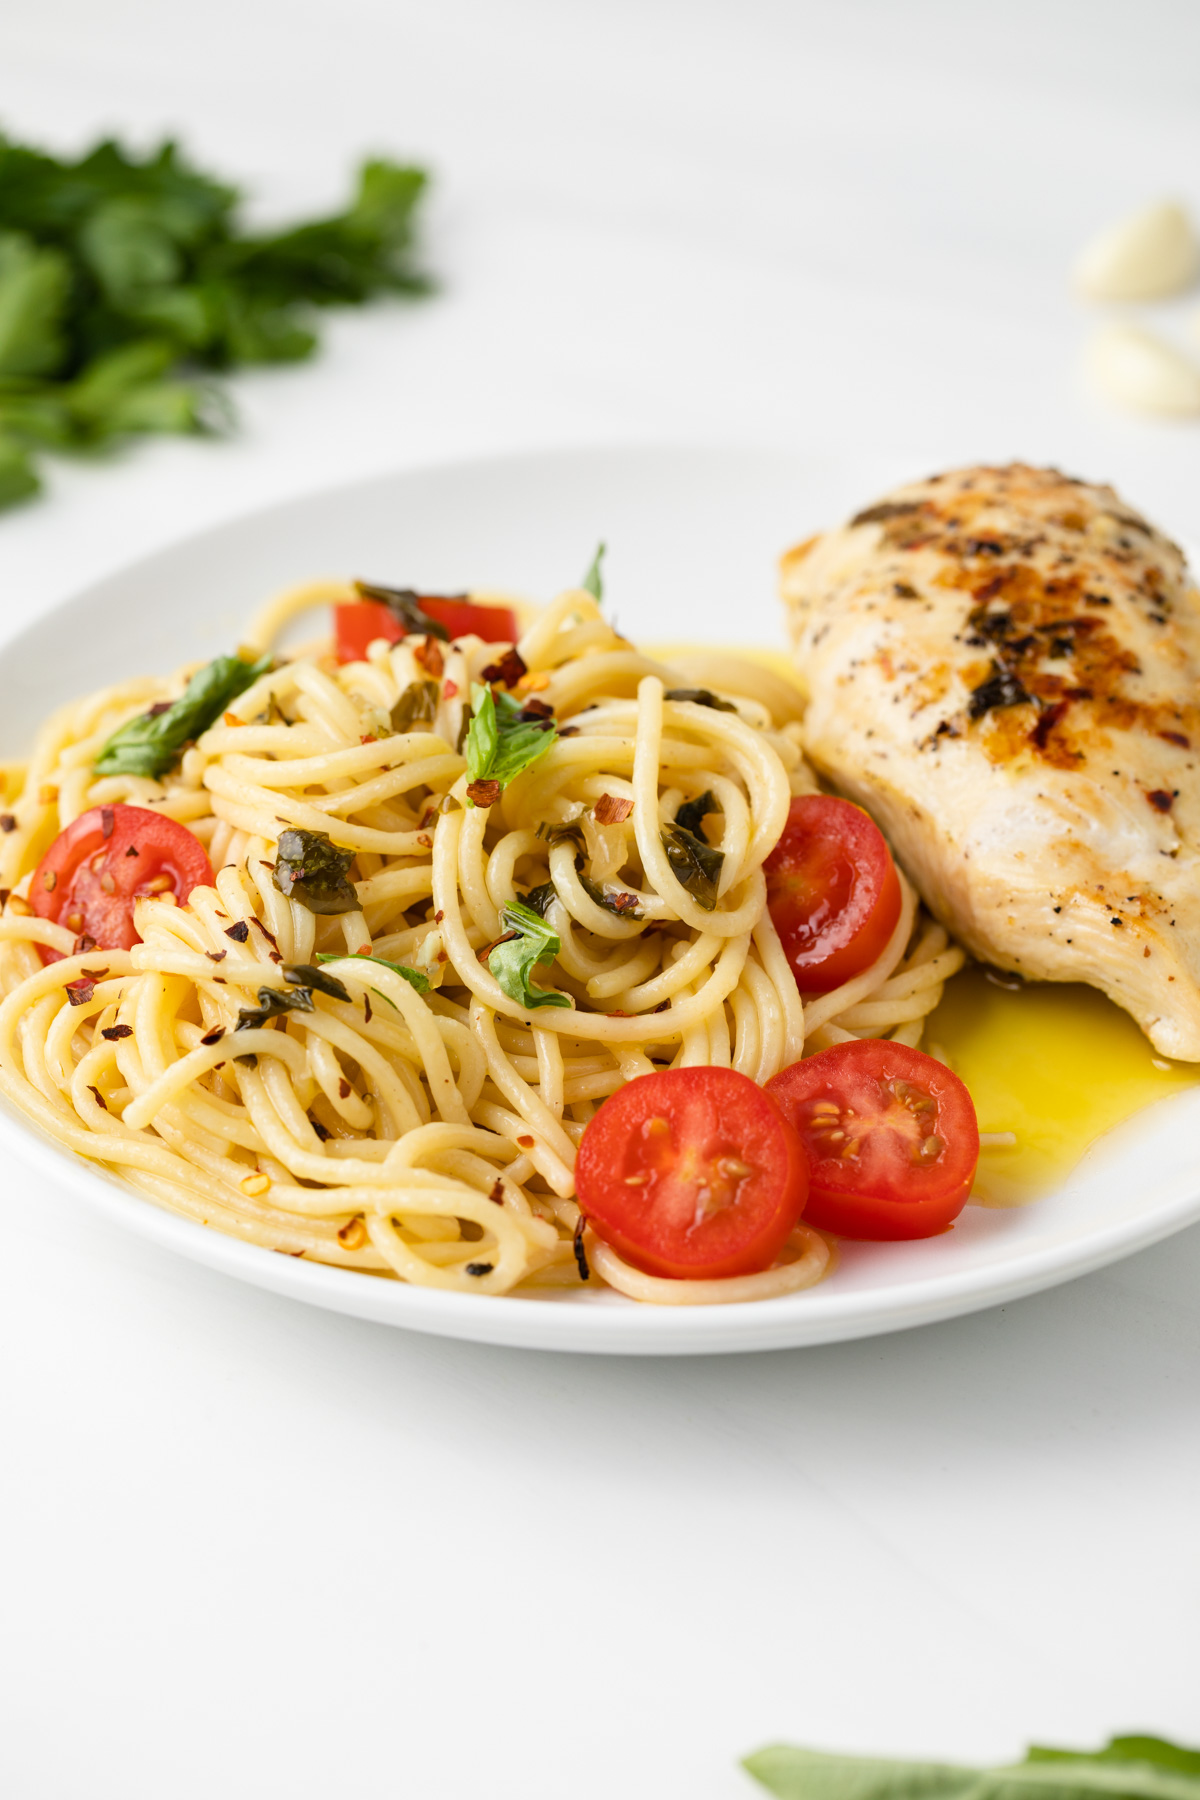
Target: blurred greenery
x,y
126,284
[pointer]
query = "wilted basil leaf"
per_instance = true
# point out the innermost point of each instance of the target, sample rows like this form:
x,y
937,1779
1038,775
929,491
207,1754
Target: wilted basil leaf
x,y
528,944
311,869
694,864
416,706
692,813
406,604
700,697
501,740
305,975
151,743
623,905
272,1002
538,899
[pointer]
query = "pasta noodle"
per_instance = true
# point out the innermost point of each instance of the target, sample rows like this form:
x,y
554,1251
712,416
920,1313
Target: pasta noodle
x,y
427,1135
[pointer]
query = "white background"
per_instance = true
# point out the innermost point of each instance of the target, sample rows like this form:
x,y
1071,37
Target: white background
x,y
252,1550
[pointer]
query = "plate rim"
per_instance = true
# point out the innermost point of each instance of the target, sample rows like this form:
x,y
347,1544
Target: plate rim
x,y
809,1318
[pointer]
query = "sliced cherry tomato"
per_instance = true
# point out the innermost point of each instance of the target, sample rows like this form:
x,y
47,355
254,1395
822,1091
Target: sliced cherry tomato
x,y
358,623
106,859
832,890
891,1138
692,1173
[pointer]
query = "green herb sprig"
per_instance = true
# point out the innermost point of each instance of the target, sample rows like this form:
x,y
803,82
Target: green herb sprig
x,y
151,743
528,943
124,279
1127,1768
501,741
413,977
593,581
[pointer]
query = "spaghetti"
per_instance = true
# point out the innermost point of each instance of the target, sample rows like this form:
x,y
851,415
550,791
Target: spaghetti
x,y
419,1119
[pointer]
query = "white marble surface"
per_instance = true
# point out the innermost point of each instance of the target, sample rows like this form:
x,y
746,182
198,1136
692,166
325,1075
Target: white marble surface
x,y
255,1550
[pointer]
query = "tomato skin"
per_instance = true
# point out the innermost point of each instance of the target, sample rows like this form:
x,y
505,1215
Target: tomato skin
x,y
889,1189
662,1147
357,623
138,847
832,891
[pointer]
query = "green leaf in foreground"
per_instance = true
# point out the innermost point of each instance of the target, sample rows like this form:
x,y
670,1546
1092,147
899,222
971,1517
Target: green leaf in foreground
x,y
413,977
1129,1768
502,741
149,744
593,581
528,943
124,277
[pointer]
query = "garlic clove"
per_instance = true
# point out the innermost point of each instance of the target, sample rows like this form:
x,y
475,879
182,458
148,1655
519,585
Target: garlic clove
x,y
1142,372
1145,257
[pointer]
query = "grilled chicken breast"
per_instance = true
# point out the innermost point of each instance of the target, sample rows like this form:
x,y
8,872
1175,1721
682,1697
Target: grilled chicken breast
x,y
1003,666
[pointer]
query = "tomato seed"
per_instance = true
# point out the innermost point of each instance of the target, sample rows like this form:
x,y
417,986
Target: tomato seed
x,y
108,884
49,881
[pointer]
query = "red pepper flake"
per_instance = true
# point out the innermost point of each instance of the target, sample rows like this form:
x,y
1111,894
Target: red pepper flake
x,y
425,841
508,669
98,1097
450,690
611,809
568,731
210,1037
484,793
1169,737
239,932
112,1032
344,1088
106,821
526,1143
1160,799
429,655
8,822
366,1009
370,738
438,917
581,1261
80,992
497,1193
94,974
269,935
82,944
216,955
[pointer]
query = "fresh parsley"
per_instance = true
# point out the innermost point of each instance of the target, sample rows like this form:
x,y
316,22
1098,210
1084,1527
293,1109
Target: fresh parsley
x,y
503,739
1128,1768
149,744
528,943
593,581
125,280
414,977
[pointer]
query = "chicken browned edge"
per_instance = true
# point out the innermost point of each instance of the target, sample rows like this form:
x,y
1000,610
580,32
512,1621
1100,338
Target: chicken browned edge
x,y
1003,666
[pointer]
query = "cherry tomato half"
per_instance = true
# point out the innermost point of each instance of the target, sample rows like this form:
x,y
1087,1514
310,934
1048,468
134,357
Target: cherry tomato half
x,y
358,623
692,1174
832,890
106,859
891,1138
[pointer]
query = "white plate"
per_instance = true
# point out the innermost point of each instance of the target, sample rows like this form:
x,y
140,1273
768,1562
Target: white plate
x,y
693,538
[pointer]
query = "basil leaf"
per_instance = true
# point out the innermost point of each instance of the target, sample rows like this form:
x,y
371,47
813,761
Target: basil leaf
x,y
695,864
272,1002
528,944
1156,1771
416,706
538,899
700,697
593,581
406,604
311,869
151,743
413,977
616,901
693,812
501,741
305,975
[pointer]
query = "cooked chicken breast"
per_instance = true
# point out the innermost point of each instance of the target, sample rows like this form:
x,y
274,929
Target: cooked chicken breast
x,y
1003,667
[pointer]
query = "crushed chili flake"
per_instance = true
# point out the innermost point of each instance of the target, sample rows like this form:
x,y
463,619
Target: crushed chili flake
x,y
80,992
112,1032
450,691
98,1097
612,809
369,738
83,944
508,669
480,1268
581,1261
93,974
429,656
484,793
497,1193
239,932
344,1088
8,822
1160,799
526,1143
366,1009
216,955
214,1036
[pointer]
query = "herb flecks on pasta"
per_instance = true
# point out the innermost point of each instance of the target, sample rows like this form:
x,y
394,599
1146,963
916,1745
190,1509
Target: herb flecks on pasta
x,y
462,893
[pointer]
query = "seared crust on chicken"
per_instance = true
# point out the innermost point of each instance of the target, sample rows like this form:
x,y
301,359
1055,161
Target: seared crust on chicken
x,y
1003,666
